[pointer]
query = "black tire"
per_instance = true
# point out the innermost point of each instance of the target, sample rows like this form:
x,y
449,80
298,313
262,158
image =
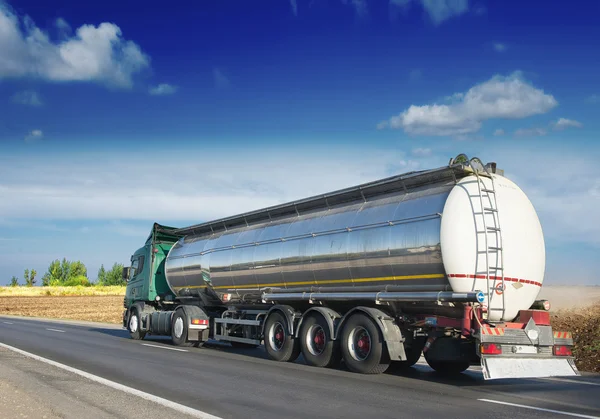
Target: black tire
x,y
133,326
413,353
368,357
279,343
318,347
447,368
241,345
179,329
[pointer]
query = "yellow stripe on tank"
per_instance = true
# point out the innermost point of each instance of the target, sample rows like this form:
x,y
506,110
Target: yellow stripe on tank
x,y
324,282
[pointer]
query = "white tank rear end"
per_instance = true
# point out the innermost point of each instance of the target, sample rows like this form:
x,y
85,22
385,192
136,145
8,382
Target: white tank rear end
x,y
464,251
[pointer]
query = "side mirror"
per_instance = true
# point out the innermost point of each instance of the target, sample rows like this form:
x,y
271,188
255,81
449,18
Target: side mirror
x,y
126,273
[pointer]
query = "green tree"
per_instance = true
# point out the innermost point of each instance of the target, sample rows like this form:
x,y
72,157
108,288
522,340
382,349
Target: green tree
x,y
101,279
14,281
66,273
115,275
29,277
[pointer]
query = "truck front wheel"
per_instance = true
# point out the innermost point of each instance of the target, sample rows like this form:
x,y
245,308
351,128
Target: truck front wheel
x,y
279,343
362,346
134,326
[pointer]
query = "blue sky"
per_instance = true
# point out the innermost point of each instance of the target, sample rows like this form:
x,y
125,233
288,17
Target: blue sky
x,y
113,115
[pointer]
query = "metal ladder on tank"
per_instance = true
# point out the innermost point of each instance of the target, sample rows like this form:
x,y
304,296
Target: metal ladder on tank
x,y
490,232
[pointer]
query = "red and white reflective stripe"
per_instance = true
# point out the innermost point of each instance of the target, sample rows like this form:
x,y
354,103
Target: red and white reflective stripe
x,y
496,278
563,335
497,331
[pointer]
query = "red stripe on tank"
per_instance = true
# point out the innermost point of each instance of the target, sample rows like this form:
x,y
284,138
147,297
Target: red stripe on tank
x,y
496,278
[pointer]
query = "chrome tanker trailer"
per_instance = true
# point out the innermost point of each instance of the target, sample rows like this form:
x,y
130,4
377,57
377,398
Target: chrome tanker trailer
x,y
447,263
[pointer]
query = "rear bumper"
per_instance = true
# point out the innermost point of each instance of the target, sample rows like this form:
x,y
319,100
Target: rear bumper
x,y
496,367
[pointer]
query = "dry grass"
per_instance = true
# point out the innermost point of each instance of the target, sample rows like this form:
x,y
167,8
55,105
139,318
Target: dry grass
x,y
61,291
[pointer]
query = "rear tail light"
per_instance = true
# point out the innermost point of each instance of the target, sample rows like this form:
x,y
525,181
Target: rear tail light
x,y
561,350
491,349
200,321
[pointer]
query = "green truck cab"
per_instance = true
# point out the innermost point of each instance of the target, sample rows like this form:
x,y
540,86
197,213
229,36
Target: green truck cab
x,y
145,277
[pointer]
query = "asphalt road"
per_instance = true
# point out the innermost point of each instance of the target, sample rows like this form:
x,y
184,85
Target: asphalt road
x,y
232,383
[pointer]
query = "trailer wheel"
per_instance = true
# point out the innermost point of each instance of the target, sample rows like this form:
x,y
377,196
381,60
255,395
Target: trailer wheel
x,y
318,348
362,346
179,329
134,326
279,343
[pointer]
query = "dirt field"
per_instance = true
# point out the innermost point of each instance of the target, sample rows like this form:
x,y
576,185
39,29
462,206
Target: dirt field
x,y
90,308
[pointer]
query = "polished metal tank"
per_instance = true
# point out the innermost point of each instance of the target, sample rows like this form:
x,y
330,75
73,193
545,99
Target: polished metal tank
x,y
455,228
381,234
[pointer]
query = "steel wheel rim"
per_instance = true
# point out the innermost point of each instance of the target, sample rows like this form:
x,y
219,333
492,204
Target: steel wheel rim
x,y
315,340
133,323
359,343
276,336
178,327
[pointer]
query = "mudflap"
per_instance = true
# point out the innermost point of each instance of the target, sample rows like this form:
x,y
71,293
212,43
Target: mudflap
x,y
497,367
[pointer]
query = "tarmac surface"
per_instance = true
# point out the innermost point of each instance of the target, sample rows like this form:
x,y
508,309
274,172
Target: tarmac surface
x,y
96,370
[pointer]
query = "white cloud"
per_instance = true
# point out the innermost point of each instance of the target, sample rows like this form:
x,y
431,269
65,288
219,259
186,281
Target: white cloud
x,y
507,97
221,81
93,54
564,123
438,10
500,47
27,97
499,132
33,136
109,187
530,132
593,99
421,152
294,7
163,89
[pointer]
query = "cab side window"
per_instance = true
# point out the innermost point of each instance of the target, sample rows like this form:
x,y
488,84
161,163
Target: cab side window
x,y
137,265
134,268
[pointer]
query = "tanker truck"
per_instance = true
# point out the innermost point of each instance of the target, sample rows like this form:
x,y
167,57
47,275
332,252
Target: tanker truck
x,y
444,263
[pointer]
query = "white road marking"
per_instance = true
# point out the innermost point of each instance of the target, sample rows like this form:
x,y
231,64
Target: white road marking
x,y
566,380
558,412
147,396
8,322
56,330
165,347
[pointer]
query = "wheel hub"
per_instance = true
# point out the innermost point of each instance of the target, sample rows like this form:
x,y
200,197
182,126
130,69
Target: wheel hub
x,y
178,328
359,343
133,323
277,339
